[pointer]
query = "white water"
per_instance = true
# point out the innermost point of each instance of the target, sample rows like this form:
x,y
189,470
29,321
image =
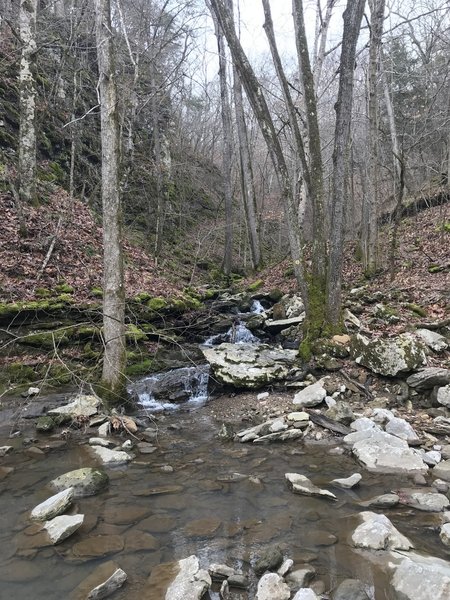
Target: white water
x,y
257,308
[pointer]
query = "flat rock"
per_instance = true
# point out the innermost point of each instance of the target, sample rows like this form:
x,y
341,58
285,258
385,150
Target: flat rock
x,y
296,417
53,506
249,365
421,578
101,441
62,527
376,532
348,482
272,587
300,484
351,589
442,470
111,457
426,379
280,324
98,546
136,541
388,356
433,340
125,513
219,572
82,406
179,580
103,582
383,501
282,436
85,482
423,500
202,528
312,395
146,448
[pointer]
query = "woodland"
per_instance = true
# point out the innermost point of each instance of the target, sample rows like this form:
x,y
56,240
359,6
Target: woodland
x,y
206,168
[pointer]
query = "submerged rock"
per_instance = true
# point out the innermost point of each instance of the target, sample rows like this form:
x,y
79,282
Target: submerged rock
x,y
62,527
179,580
249,365
350,589
102,583
271,559
389,356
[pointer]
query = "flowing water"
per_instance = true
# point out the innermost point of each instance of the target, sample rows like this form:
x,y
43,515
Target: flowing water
x,y
202,508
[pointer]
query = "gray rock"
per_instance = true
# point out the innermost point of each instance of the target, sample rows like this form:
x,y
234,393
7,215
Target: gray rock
x,y
62,527
100,441
443,396
270,560
350,589
249,365
376,532
300,578
348,482
388,357
298,417
219,571
282,324
4,450
402,429
341,412
441,486
381,416
111,457
432,458
421,578
108,587
285,567
383,501
442,470
85,482
238,581
306,594
426,501
300,484
82,406
312,395
282,436
433,340
272,587
185,580
363,424
426,379
445,534
54,506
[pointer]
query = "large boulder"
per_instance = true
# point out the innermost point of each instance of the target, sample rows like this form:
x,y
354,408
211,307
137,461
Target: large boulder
x,y
249,365
389,356
421,578
376,532
427,379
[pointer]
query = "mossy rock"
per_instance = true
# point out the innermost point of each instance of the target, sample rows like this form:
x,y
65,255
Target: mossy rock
x,y
256,285
416,309
142,297
45,424
64,299
139,368
45,339
43,293
329,349
60,374
17,373
64,288
97,292
275,295
86,332
157,304
134,334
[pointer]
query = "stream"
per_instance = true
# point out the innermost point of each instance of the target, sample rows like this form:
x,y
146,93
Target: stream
x,y
202,507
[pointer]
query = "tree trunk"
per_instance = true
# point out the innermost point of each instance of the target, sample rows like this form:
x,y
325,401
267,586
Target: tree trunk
x,y
352,24
113,375
27,85
369,242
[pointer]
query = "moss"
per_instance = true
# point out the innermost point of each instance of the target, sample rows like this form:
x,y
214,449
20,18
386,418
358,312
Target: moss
x,y
42,293
17,373
45,339
45,424
113,395
142,297
256,285
64,299
86,332
275,295
64,288
97,292
418,310
139,368
156,304
59,374
89,353
134,334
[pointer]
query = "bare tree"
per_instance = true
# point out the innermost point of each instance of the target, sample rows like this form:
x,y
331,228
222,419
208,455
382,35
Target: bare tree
x,y
113,375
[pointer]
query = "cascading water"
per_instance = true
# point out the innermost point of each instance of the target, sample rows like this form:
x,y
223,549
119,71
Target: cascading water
x,y
257,308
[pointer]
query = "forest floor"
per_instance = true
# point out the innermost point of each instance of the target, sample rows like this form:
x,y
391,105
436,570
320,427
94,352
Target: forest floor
x,y
421,272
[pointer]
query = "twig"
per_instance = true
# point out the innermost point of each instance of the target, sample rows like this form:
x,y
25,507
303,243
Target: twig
x,y
50,250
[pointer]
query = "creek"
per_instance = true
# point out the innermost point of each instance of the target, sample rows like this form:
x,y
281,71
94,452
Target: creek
x,y
202,507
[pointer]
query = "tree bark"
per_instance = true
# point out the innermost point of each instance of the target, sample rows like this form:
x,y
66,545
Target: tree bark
x,y
352,24
27,86
113,376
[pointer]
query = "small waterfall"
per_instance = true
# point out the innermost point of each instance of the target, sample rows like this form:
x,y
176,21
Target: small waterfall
x,y
237,334
187,386
257,308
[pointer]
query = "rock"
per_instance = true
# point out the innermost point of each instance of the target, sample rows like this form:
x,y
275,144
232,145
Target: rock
x,y
180,580
270,560
426,501
300,577
97,546
285,567
348,482
109,586
202,528
111,457
432,458
442,470
381,452
282,436
146,448
224,592
445,534
101,583
4,450
402,429
433,340
300,484
282,324
350,589
175,385
272,587
54,506
136,541
5,471
298,417
85,482
100,441
62,527
388,356
249,365
312,395
306,594
349,317
377,533
83,406
238,581
383,501
364,424
441,486
341,412
381,416
105,429
421,578
45,424
220,572
443,396
150,434
32,391
426,379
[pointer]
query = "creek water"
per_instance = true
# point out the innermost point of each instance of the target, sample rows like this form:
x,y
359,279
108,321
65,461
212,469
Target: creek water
x,y
202,508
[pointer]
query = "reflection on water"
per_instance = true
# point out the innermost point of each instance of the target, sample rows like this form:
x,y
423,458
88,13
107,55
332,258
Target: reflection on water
x,y
199,508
